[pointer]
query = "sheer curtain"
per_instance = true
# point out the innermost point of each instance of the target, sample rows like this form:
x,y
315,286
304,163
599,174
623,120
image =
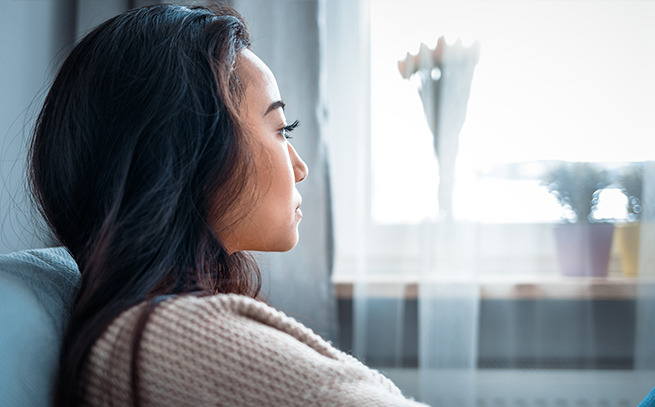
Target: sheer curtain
x,y
478,308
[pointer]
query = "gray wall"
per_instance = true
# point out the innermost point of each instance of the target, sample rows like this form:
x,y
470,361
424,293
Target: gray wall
x,y
35,36
27,49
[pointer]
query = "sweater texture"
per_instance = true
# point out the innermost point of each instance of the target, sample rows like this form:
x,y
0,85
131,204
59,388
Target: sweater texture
x,y
228,350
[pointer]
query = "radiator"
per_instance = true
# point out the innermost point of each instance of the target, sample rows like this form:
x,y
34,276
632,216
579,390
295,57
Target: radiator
x,y
532,388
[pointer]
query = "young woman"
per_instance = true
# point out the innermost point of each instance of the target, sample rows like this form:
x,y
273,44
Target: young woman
x,y
161,154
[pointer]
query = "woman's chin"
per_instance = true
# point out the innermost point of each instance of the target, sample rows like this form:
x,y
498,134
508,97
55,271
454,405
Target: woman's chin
x,y
282,245
286,246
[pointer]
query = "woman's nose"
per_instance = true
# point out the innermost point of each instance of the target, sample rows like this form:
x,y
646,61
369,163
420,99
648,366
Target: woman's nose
x,y
300,169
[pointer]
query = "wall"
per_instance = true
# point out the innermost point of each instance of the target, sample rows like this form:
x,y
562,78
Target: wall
x,y
26,46
35,36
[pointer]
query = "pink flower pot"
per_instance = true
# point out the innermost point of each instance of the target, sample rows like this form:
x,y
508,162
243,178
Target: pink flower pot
x,y
583,249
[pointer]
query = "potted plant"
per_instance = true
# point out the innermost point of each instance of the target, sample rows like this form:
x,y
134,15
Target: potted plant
x,y
630,180
583,242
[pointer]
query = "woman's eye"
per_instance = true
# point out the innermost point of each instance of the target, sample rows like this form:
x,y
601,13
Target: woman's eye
x,y
288,129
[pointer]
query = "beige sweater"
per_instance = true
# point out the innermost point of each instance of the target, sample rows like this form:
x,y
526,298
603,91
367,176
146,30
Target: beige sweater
x,y
229,350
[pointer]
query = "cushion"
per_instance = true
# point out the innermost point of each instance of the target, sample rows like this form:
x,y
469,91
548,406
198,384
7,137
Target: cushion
x,y
649,401
37,292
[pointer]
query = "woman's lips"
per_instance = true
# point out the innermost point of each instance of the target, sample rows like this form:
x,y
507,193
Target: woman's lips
x,y
298,211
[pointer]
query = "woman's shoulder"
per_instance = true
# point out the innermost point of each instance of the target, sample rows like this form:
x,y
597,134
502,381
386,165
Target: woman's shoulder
x,y
217,306
229,350
231,310
221,306
224,314
214,328
189,308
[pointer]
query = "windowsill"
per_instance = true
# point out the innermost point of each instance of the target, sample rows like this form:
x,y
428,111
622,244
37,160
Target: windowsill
x,y
516,287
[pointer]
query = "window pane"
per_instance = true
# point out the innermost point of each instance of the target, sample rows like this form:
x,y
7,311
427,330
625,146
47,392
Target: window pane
x,y
556,80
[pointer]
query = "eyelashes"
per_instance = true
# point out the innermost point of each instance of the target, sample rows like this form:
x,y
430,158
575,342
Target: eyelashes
x,y
288,129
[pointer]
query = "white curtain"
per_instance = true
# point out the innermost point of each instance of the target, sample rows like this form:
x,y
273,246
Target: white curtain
x,y
644,357
475,308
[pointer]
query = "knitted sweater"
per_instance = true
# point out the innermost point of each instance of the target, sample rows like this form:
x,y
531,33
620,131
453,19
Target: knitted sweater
x,y
228,350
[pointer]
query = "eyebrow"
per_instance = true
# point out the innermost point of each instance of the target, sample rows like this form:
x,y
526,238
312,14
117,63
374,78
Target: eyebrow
x,y
274,106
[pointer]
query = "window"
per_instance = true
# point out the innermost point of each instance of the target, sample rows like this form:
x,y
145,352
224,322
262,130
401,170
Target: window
x,y
555,81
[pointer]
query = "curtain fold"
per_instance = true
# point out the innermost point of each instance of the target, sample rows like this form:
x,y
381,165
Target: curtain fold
x,y
645,308
449,309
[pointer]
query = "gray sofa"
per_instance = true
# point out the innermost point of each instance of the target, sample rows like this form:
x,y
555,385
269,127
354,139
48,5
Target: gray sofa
x,y
37,290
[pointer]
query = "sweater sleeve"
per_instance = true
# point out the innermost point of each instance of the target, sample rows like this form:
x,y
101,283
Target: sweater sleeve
x,y
229,350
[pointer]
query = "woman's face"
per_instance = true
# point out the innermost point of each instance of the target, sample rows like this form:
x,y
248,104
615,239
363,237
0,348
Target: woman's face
x,y
271,221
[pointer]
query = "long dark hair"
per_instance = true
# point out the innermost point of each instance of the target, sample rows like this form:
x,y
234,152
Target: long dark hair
x,y
136,157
